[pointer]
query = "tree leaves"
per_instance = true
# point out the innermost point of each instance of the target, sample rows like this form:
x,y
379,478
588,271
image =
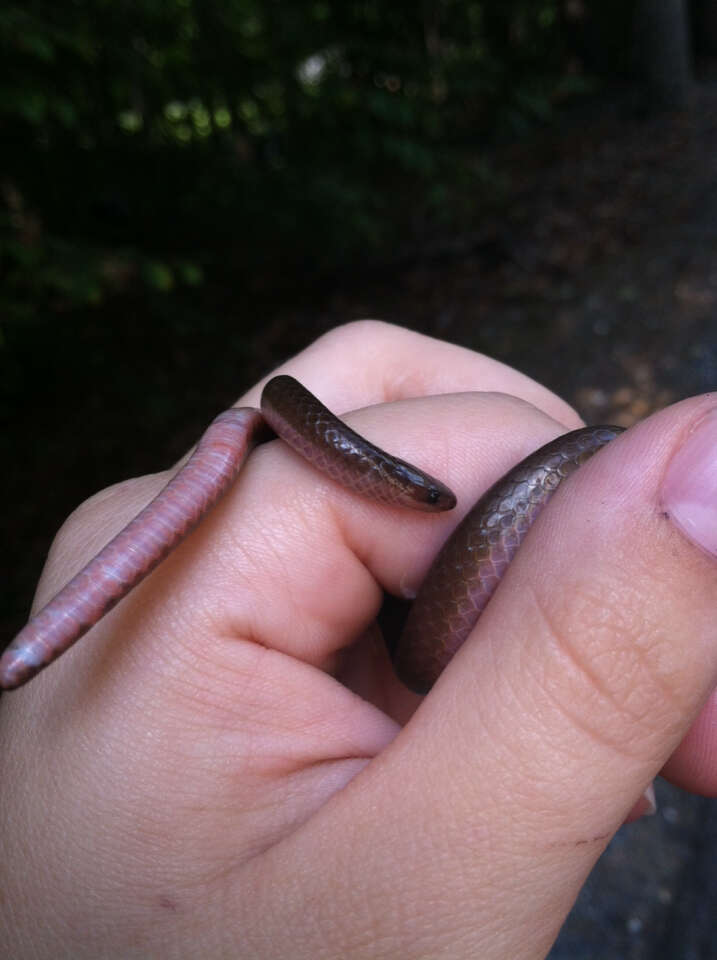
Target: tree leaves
x,y
235,132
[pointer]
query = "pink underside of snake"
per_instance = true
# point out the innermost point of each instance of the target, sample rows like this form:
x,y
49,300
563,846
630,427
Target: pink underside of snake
x,y
459,585
136,550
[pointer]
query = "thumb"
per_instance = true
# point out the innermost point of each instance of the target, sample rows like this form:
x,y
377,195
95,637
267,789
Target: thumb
x,y
582,677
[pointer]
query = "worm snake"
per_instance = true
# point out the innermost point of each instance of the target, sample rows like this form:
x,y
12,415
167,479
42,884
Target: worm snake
x,y
458,586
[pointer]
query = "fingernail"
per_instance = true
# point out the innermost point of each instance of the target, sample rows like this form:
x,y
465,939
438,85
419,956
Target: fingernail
x,y
689,490
646,806
650,801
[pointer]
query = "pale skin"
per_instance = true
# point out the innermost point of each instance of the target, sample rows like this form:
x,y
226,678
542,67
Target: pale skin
x,y
226,766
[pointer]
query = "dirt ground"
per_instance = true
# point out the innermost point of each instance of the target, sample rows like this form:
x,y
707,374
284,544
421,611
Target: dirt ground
x,y
599,278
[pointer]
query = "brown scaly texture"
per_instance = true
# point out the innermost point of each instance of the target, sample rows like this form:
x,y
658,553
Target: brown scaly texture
x,y
471,563
338,451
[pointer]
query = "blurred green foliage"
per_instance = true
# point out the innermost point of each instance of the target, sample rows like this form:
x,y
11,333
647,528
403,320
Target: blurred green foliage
x,y
157,142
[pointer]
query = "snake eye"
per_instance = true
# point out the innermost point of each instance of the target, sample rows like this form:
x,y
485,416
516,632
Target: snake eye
x,y
433,495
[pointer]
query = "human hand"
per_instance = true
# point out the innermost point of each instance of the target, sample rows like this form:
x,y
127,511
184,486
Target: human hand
x,y
199,778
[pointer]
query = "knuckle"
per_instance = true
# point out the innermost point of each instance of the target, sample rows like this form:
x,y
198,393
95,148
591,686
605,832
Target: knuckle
x,y
97,519
359,332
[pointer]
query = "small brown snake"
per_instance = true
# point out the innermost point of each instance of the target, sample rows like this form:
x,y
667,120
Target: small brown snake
x,y
458,586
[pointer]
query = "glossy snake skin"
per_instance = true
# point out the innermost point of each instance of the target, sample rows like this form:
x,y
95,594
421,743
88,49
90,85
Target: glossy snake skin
x,y
472,562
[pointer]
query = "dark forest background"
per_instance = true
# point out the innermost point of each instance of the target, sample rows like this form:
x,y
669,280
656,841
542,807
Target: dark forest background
x,y
165,147
192,190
